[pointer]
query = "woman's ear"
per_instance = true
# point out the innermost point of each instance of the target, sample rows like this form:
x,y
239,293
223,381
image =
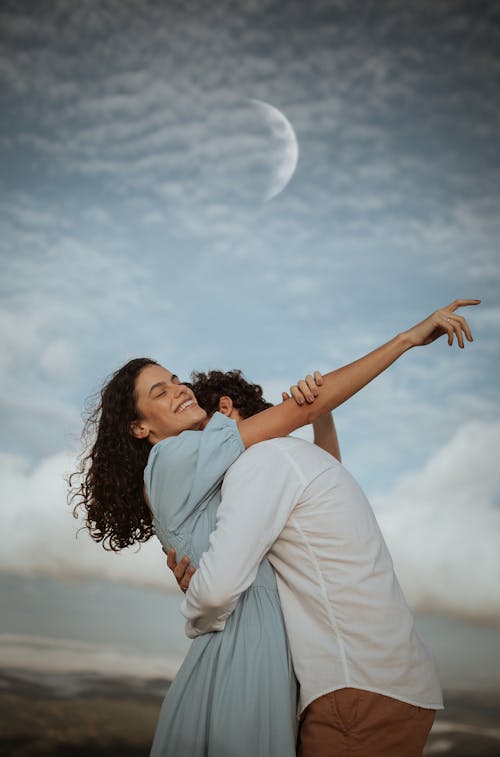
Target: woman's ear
x,y
226,405
139,430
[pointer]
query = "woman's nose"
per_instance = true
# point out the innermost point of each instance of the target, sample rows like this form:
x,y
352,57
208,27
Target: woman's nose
x,y
180,389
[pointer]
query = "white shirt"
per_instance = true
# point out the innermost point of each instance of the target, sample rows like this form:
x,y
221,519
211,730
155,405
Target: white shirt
x,y
347,620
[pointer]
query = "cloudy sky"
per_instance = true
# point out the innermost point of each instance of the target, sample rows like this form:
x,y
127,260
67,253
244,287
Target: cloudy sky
x,y
133,221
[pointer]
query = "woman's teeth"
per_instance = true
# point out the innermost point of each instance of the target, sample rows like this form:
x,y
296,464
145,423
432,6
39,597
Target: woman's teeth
x,y
184,406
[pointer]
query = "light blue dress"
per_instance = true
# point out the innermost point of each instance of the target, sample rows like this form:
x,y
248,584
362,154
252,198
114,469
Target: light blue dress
x,y
235,694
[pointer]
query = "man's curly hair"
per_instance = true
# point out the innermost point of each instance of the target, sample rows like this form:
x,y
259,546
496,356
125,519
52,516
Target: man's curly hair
x,y
211,386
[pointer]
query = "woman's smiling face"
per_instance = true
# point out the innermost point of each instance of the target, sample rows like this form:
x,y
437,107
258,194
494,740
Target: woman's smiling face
x,y
165,407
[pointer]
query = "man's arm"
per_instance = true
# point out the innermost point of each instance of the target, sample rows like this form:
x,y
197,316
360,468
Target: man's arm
x,y
325,435
259,491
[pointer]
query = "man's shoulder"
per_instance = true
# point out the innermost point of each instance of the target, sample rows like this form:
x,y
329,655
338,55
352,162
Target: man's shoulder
x,y
298,453
282,443
264,454
266,467
281,450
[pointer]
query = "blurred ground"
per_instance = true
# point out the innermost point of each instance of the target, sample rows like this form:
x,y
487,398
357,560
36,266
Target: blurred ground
x,y
77,715
45,715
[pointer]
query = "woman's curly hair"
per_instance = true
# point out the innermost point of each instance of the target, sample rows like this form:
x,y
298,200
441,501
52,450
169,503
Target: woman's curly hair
x,y
211,386
108,485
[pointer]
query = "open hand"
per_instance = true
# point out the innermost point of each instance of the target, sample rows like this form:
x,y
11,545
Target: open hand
x,y
443,321
181,570
306,390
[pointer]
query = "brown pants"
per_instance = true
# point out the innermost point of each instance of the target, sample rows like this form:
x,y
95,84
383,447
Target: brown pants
x,y
357,723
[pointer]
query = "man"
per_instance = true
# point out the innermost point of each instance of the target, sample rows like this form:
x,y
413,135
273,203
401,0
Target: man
x,y
368,686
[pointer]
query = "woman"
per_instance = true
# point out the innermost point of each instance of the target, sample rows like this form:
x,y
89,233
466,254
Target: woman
x,y
235,692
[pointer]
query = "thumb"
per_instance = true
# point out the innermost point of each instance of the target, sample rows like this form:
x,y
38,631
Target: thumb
x,y
285,396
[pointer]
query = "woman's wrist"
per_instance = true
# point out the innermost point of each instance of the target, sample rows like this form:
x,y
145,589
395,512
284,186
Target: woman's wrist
x,y
405,341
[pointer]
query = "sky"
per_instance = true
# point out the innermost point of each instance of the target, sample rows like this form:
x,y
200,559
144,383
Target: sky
x,y
134,222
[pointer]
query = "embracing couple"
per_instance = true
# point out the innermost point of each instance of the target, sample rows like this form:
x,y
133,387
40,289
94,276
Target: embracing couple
x,y
290,578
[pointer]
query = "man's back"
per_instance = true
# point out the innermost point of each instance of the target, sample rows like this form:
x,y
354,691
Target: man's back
x,y
347,620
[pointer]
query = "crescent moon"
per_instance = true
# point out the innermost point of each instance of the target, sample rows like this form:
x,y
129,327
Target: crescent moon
x,y
287,148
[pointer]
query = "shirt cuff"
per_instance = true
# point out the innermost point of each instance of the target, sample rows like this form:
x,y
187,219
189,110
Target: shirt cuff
x,y
192,631
204,623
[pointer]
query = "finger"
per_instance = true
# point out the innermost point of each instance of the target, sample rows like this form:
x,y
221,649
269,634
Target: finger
x,y
171,562
297,395
187,579
454,320
461,304
460,327
312,385
446,324
306,391
181,568
463,325
318,377
458,332
285,396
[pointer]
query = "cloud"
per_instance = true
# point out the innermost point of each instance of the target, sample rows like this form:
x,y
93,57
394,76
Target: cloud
x,y
59,360
69,290
442,526
17,336
43,654
441,522
39,533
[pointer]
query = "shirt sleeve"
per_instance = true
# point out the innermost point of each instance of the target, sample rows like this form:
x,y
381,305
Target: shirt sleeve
x,y
258,494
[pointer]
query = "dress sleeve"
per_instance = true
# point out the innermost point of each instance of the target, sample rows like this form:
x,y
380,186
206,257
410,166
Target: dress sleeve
x,y
185,470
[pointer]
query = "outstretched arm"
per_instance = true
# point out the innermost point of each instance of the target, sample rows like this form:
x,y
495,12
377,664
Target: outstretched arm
x,y
344,382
